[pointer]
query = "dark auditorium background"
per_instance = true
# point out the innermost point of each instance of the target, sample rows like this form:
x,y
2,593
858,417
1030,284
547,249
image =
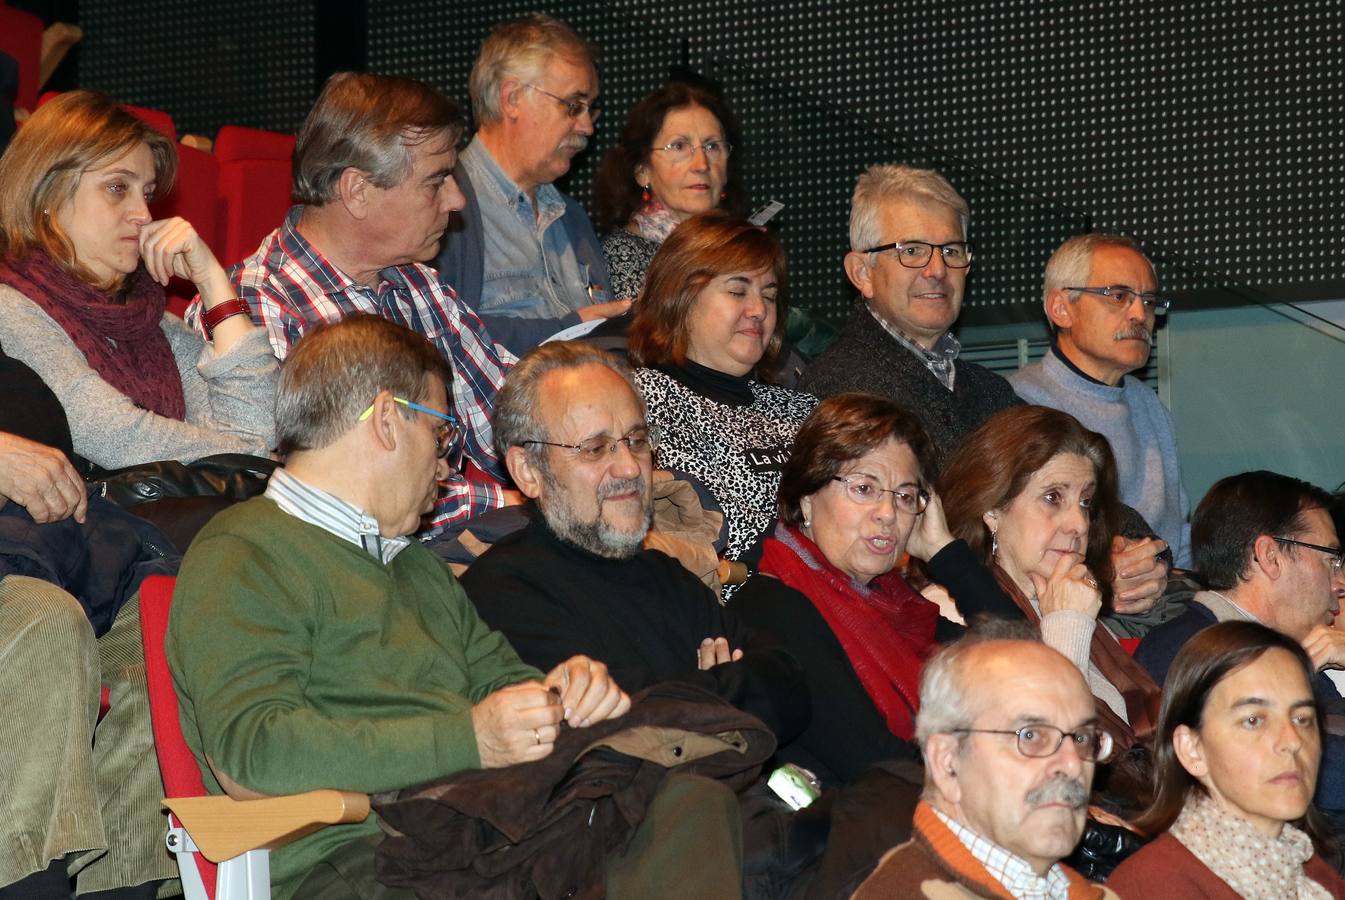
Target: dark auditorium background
x,y
1209,129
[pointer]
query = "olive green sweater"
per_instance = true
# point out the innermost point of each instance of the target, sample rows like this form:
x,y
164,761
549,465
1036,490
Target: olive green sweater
x,y
302,662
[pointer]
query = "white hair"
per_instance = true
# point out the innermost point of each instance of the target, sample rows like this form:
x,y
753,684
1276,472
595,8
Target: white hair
x,y
887,183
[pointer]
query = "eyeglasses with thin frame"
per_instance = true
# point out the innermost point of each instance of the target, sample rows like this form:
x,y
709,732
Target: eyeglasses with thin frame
x,y
680,150
1122,295
574,108
917,254
445,434
1337,554
641,442
866,491
1039,741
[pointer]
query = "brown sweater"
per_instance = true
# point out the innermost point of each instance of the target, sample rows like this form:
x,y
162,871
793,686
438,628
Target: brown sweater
x,y
1166,861
934,864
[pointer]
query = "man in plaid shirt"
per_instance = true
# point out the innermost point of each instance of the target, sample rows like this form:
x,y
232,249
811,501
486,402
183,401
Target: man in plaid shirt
x,y
372,172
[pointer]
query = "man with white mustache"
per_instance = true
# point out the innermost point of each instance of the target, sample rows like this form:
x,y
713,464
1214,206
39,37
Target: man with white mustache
x,y
573,433
523,254
1010,739
1101,298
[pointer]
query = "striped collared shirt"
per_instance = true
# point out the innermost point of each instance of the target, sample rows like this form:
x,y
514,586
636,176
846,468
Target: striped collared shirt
x,y
939,361
1011,871
332,514
291,287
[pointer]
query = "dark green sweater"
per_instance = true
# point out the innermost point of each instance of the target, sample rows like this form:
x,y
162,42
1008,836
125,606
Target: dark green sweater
x,y
302,662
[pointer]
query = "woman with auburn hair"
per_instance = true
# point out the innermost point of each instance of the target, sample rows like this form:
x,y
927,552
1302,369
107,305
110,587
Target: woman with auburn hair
x,y
82,295
854,498
1236,756
709,322
1034,494
672,160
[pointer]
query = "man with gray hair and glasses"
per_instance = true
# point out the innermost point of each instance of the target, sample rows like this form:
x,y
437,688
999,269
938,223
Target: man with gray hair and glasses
x,y
1010,738
909,258
1101,299
373,175
522,253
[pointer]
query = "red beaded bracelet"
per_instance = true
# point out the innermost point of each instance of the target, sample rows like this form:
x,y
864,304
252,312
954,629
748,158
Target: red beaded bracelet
x,y
234,306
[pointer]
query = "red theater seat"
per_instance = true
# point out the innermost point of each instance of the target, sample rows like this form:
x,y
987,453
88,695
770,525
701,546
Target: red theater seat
x,y
21,38
254,186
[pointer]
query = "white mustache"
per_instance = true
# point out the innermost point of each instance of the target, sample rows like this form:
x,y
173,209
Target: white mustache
x,y
1060,790
621,486
577,143
1139,333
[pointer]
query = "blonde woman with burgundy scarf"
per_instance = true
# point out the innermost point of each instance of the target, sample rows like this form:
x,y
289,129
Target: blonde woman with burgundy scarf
x,y
854,498
82,295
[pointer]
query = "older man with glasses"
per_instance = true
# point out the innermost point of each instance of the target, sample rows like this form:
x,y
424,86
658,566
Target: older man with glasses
x,y
909,258
1101,299
1010,739
524,254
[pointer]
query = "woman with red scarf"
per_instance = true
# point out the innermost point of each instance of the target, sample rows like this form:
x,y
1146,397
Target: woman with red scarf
x,y
82,295
853,500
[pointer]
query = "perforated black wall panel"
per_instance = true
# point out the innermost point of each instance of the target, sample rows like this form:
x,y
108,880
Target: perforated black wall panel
x,y
241,62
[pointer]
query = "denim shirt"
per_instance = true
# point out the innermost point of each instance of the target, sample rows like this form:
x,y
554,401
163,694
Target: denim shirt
x,y
531,270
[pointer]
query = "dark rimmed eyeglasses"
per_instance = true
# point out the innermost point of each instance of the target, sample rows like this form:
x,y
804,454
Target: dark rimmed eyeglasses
x,y
446,434
866,491
574,108
1336,553
1122,295
917,254
598,449
1039,741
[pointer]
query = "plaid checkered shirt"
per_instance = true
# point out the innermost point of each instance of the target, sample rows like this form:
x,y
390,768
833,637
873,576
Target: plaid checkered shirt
x,y
940,361
1011,871
290,286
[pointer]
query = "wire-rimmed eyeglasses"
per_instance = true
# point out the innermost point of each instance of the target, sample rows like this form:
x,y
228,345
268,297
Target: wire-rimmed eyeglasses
x,y
917,254
1336,553
1039,741
681,150
866,491
1122,295
573,108
641,442
446,434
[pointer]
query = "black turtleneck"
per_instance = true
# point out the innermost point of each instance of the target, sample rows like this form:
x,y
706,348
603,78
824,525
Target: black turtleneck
x,y
1069,364
730,390
644,617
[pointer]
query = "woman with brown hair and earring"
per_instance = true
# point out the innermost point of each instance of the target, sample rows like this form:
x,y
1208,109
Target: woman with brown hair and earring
x,y
1035,494
674,159
1236,755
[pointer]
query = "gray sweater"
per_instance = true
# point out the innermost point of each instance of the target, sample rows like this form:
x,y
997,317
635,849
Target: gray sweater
x,y
1140,432
230,399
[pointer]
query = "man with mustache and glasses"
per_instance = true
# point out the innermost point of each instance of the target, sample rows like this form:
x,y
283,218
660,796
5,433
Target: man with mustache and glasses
x,y
1010,738
521,252
573,433
1101,299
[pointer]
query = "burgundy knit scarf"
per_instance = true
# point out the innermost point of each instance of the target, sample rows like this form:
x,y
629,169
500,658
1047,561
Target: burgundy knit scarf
x,y
141,363
885,628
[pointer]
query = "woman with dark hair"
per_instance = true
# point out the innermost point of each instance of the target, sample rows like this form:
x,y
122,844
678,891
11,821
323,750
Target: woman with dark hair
x,y
673,160
853,500
708,324
1034,494
82,299
1235,762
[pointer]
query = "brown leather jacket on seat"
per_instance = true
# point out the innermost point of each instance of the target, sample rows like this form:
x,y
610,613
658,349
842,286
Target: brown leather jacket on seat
x,y
543,829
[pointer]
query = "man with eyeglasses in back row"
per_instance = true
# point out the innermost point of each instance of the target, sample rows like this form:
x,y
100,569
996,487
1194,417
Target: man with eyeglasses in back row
x,y
1101,299
523,254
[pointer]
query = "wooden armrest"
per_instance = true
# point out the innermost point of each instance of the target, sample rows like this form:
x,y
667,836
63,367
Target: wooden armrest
x,y
224,828
198,141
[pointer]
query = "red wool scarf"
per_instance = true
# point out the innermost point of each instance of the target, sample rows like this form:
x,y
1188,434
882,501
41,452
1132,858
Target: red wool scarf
x,y
885,628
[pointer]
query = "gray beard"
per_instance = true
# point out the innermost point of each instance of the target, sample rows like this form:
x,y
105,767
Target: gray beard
x,y
596,536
